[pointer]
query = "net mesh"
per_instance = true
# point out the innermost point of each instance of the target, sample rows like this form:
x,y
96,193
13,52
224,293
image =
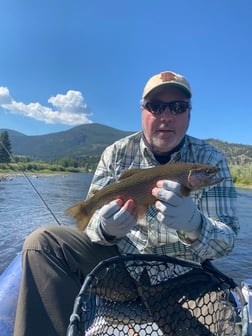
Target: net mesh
x,y
156,295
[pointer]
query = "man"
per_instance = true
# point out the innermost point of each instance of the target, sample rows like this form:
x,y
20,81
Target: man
x,y
201,226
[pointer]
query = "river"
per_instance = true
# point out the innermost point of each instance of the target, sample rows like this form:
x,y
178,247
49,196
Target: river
x,y
22,211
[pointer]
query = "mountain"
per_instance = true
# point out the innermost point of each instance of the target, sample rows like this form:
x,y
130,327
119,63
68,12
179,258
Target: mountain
x,y
91,140
237,154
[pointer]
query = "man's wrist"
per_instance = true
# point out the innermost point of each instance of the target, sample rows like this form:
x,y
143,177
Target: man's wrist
x,y
108,237
191,237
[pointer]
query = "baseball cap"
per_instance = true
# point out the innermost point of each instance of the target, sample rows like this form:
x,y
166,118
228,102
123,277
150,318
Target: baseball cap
x,y
167,78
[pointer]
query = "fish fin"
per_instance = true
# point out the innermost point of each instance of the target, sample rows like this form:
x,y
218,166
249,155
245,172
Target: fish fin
x,y
129,172
93,192
141,213
80,214
141,216
185,191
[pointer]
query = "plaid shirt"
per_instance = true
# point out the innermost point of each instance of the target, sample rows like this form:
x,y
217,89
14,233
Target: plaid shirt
x,y
217,204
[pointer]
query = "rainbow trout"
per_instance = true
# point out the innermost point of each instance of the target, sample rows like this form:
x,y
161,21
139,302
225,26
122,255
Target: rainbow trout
x,y
137,184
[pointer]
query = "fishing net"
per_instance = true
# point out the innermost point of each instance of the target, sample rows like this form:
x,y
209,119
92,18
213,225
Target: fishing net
x,y
157,295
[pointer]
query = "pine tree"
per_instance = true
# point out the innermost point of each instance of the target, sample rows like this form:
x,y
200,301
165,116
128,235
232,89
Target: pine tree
x,y
5,147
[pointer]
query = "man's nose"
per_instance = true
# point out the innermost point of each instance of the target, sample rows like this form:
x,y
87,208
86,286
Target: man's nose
x,y
166,115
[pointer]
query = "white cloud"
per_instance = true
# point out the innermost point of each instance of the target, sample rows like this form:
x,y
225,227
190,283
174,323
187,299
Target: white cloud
x,y
5,97
68,109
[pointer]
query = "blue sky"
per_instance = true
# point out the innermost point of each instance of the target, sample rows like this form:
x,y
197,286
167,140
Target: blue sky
x,y
69,62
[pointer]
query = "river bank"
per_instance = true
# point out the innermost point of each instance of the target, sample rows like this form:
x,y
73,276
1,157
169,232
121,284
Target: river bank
x,y
12,175
8,176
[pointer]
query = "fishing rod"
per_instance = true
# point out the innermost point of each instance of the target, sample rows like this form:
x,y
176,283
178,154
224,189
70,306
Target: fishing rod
x,y
30,183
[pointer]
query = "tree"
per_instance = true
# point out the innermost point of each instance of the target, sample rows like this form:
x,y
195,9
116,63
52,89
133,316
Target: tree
x,y
5,147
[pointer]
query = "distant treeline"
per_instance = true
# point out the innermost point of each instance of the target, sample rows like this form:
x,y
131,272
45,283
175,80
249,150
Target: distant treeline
x,y
22,163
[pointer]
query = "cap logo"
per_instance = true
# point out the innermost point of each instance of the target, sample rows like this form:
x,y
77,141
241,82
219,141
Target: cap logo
x,y
167,76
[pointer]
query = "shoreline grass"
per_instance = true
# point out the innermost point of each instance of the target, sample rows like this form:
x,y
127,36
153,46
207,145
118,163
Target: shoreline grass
x,y
10,174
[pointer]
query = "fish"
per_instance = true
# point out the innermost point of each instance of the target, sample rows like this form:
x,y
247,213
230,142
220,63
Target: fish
x,y
137,184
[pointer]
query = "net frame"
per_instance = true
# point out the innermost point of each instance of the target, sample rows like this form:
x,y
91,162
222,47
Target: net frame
x,y
158,295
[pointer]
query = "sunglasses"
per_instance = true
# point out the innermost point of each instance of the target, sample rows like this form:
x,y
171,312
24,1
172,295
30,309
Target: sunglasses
x,y
175,107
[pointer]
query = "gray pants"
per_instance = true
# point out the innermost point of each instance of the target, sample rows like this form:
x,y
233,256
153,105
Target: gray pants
x,y
56,261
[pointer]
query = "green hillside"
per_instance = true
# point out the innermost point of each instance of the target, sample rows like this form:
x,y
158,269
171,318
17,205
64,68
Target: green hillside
x,y
84,140
237,154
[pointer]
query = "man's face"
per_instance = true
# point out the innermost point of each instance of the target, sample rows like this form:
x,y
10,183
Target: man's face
x,y
166,130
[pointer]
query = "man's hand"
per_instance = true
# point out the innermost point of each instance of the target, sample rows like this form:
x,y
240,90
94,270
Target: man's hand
x,y
117,219
175,210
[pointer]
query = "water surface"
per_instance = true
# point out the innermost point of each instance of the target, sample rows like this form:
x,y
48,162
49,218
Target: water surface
x,y
22,211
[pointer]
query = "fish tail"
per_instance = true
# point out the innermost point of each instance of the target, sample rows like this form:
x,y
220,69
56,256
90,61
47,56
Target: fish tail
x,y
81,214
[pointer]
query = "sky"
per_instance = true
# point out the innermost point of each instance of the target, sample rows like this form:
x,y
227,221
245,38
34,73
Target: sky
x,y
69,62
